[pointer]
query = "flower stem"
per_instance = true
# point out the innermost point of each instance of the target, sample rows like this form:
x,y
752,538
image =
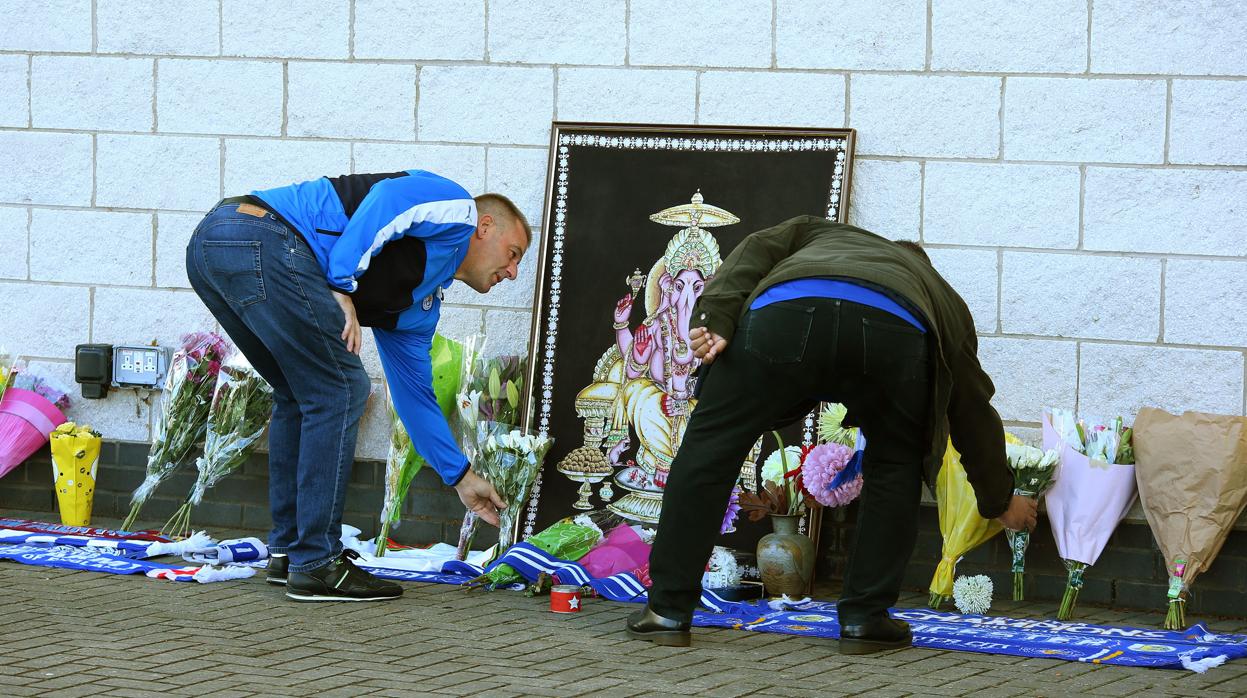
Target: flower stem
x,y
383,537
937,599
1018,593
132,516
1070,599
1175,618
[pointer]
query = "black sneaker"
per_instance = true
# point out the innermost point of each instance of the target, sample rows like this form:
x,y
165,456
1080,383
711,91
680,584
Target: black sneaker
x,y
340,580
278,568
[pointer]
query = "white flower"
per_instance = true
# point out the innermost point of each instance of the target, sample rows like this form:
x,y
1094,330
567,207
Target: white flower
x,y
773,468
973,595
470,406
583,520
724,572
1022,456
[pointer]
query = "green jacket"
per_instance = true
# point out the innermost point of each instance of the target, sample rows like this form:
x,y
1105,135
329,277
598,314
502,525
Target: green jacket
x,y
808,246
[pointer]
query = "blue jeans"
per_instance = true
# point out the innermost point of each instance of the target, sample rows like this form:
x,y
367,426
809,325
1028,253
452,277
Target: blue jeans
x,y
265,287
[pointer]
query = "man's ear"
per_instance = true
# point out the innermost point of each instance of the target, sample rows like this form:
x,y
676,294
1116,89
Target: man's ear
x,y
484,225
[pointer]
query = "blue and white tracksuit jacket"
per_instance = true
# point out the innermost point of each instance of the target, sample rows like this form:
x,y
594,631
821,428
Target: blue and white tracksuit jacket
x,y
393,242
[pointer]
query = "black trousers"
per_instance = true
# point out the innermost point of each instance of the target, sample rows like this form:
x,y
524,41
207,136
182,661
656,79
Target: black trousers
x,y
784,357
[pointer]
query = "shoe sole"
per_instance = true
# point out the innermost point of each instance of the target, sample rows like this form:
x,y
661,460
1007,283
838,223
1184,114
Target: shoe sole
x,y
276,581
666,638
850,646
322,597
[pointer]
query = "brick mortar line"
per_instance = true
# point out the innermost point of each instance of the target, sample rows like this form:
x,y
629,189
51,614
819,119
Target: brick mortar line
x,y
929,21
915,72
774,34
884,157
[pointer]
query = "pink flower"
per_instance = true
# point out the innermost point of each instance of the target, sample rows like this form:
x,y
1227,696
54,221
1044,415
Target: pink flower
x,y
821,466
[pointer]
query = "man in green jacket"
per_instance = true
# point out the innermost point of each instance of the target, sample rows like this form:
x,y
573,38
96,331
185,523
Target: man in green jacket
x,y
812,310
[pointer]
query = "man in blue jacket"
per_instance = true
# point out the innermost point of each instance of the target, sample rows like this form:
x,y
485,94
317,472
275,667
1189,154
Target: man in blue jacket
x,y
292,274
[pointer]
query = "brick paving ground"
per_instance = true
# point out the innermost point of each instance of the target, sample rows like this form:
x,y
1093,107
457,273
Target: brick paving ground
x,y
87,634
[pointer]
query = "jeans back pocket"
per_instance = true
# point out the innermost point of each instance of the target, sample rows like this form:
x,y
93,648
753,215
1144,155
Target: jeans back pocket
x,y
777,333
894,351
234,266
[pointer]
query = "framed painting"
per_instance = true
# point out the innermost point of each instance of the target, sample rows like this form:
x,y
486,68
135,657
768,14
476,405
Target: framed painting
x,y
638,219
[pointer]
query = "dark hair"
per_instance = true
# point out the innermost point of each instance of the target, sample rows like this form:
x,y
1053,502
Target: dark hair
x,y
500,206
913,246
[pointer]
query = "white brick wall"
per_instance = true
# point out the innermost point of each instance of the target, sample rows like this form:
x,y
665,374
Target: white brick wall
x,y
14,95
1077,170
1001,36
234,97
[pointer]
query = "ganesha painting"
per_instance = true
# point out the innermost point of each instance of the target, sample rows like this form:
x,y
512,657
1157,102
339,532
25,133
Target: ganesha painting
x,y
643,384
638,221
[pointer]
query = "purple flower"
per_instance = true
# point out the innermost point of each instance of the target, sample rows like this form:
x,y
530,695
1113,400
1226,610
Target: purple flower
x,y
733,508
820,468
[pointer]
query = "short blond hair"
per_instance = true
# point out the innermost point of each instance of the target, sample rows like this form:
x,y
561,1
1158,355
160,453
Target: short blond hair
x,y
500,206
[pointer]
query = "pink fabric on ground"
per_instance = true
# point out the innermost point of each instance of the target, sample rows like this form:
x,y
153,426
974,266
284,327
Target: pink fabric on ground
x,y
622,550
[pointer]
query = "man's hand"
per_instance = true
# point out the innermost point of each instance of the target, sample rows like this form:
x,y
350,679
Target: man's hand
x,y
1022,514
480,497
706,345
351,333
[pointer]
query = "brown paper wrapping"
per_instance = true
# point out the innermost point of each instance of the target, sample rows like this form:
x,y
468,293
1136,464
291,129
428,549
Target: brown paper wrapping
x,y
1192,473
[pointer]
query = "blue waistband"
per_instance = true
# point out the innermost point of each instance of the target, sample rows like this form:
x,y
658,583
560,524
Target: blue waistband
x,y
815,287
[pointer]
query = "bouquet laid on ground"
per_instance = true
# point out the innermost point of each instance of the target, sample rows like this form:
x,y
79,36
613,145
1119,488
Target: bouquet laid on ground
x,y
568,539
183,417
32,406
75,458
1034,472
973,595
239,413
1094,489
1192,474
402,461
962,527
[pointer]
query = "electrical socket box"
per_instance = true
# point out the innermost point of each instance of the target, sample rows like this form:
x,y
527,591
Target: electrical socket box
x,y
139,365
93,368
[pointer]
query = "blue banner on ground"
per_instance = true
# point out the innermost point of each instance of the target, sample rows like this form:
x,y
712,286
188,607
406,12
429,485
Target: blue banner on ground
x,y
127,548
78,558
1196,648
1049,639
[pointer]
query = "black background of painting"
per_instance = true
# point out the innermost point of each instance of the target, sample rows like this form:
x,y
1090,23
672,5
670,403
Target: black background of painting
x,y
608,234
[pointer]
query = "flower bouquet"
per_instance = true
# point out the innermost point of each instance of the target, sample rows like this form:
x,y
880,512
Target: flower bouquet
x,y
1034,471
30,409
1192,474
402,461
75,458
183,417
510,460
781,492
962,527
1094,489
567,539
240,411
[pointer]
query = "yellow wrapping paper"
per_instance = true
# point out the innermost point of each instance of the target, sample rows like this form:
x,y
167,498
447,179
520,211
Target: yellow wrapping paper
x,y
75,458
962,527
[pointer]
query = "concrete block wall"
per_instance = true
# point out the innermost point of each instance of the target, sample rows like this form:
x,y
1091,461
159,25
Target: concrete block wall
x,y
1077,168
